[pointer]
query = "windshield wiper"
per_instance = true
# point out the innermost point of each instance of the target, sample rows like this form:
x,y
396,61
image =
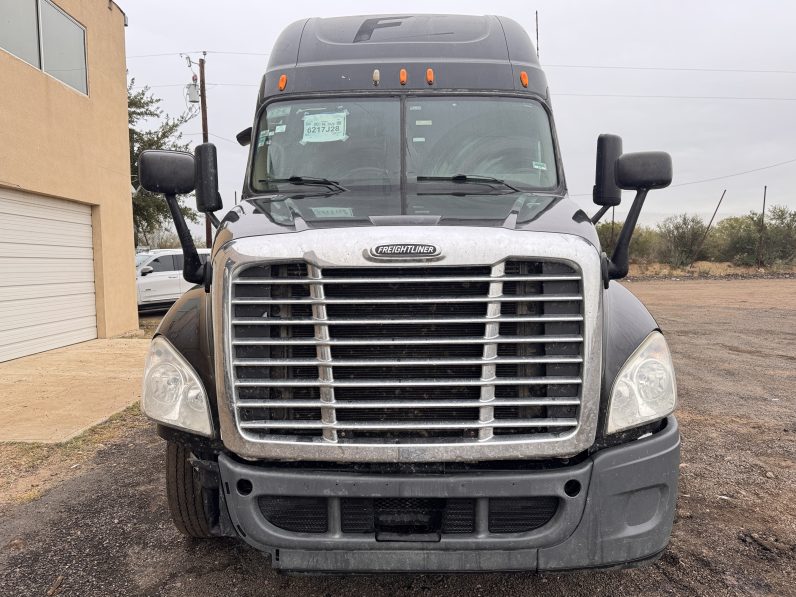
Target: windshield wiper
x,y
458,178
308,180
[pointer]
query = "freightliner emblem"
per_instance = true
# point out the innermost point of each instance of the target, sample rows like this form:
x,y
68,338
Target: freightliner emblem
x,y
404,251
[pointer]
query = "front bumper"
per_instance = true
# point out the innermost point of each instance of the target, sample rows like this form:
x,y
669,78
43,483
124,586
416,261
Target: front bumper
x,y
622,514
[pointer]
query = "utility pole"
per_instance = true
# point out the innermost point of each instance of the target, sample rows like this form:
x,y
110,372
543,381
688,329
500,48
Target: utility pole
x,y
205,136
762,230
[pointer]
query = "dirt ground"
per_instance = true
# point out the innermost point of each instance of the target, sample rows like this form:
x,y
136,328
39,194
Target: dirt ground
x,y
96,522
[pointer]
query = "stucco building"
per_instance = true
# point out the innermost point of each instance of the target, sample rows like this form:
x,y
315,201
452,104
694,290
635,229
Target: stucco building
x,y
66,232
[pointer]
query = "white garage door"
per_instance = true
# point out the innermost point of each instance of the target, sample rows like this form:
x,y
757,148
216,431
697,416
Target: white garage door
x,y
46,274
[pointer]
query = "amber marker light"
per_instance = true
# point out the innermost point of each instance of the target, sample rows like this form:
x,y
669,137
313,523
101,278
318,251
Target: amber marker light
x,y
524,78
430,76
402,76
282,82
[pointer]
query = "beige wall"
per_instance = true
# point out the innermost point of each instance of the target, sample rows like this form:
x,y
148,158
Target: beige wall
x,y
56,141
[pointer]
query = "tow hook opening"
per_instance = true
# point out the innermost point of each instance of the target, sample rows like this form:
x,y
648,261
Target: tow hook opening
x,y
408,519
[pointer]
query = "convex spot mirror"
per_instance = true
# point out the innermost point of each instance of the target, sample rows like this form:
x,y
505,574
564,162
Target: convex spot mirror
x,y
644,170
206,177
606,193
167,172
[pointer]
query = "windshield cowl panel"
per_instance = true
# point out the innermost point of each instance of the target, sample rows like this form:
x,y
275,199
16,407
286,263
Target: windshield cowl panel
x,y
277,213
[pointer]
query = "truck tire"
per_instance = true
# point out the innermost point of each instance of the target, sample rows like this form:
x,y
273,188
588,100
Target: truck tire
x,y
184,493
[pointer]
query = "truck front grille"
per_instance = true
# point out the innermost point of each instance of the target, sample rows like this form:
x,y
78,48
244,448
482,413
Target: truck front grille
x,y
406,354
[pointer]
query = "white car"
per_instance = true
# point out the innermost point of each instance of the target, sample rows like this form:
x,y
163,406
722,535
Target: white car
x,y
158,276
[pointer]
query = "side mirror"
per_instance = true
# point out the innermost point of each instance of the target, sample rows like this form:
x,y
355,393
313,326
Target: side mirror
x,y
644,170
208,198
167,172
606,192
641,171
146,270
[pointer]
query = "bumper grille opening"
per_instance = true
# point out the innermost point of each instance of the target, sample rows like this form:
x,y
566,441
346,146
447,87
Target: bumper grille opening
x,y
296,514
520,515
396,517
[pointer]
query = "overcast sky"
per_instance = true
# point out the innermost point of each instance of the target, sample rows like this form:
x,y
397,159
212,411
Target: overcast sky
x,y
707,129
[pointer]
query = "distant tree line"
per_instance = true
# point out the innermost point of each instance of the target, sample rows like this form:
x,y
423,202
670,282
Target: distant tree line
x,y
678,240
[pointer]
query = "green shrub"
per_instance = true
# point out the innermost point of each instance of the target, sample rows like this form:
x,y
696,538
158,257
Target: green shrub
x,y
680,237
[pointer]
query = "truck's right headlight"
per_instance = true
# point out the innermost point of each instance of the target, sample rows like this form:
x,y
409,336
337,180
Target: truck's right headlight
x,y
173,394
645,389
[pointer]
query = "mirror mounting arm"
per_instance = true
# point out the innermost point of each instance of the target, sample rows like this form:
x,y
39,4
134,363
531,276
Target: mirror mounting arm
x,y
193,270
213,219
600,213
619,264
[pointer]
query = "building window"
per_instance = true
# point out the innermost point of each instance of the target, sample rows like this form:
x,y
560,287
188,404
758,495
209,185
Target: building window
x,y
45,36
19,29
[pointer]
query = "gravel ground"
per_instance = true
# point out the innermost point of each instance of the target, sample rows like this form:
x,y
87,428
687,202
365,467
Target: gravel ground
x,y
104,529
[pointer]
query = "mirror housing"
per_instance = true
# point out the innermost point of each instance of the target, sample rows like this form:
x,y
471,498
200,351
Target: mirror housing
x,y
208,198
146,270
644,170
165,171
606,192
245,137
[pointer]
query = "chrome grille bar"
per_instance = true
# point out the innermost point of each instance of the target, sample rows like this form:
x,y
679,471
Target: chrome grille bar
x,y
397,383
403,363
408,341
489,369
327,322
410,301
324,355
410,425
409,280
363,404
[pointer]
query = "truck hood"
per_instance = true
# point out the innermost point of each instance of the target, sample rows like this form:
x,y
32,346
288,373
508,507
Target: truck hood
x,y
284,213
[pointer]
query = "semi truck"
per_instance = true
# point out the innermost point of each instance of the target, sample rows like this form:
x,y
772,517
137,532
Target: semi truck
x,y
408,350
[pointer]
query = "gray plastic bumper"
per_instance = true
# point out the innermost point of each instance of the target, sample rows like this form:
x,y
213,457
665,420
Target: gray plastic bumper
x,y
622,515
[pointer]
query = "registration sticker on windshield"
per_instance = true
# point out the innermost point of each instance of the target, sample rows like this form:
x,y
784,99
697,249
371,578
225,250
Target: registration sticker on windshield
x,y
540,165
332,212
322,128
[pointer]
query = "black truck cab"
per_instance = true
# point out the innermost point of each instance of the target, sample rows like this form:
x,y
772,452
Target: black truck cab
x,y
408,351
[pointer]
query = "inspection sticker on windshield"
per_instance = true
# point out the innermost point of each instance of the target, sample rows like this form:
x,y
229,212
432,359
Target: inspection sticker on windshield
x,y
322,128
540,165
332,212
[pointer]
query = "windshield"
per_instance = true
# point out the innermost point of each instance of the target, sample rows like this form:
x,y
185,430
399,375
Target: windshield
x,y
140,258
356,143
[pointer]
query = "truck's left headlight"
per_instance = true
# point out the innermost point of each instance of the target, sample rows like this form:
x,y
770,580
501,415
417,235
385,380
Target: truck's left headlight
x,y
173,394
645,389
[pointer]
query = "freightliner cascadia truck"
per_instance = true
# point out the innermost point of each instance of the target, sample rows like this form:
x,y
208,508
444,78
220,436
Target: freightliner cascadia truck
x,y
408,351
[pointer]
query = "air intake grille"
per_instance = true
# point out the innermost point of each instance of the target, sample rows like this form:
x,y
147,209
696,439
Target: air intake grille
x,y
402,354
395,517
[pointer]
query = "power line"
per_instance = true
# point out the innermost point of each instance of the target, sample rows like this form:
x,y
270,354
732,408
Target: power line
x,y
687,97
690,182
209,85
682,184
217,52
675,69
216,136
